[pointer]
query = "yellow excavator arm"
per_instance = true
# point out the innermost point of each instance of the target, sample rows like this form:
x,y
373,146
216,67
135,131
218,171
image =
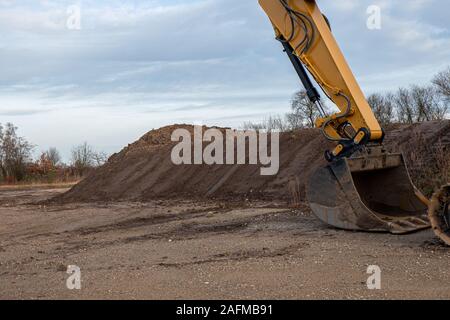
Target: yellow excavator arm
x,y
363,187
307,39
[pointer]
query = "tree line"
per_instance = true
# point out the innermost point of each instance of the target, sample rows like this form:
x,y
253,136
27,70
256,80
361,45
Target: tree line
x,y
406,105
17,163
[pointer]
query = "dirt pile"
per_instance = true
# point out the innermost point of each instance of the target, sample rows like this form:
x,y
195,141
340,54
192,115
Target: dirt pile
x,y
144,170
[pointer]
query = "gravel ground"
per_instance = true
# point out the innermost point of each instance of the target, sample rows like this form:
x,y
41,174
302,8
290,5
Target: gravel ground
x,y
210,250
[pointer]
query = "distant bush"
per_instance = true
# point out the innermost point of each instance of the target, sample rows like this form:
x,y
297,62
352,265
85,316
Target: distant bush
x,y
18,166
15,154
48,168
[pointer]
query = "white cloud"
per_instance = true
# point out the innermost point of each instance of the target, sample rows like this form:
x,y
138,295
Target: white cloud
x,y
415,5
345,5
418,36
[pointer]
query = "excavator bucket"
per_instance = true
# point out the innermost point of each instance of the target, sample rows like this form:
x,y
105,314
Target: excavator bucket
x,y
368,193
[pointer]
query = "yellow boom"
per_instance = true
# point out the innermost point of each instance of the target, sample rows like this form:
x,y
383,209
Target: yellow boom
x,y
307,37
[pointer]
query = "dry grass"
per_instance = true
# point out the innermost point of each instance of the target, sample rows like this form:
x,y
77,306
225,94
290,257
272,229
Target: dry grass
x,y
429,165
28,186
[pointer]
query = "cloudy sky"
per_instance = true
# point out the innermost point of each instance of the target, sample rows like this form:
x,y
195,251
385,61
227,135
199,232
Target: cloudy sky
x,y
138,65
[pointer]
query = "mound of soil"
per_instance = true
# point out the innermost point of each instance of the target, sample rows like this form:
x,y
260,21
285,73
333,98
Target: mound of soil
x,y
144,170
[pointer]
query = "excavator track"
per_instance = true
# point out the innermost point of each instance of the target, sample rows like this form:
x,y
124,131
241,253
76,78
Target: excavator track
x,y
439,213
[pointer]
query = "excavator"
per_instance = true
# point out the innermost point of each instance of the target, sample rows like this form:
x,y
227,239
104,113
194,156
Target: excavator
x,y
363,187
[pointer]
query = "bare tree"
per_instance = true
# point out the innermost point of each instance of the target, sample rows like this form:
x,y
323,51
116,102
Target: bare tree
x,y
383,107
82,158
248,125
418,104
272,123
304,112
427,104
275,123
15,153
404,106
99,158
294,122
442,82
53,156
303,115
